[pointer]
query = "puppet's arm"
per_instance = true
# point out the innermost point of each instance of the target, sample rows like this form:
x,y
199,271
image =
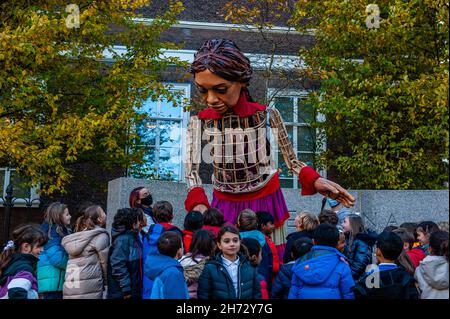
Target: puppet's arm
x,y
306,174
196,193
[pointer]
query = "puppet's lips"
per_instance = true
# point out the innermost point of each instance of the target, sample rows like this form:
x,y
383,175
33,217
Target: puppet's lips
x,y
219,108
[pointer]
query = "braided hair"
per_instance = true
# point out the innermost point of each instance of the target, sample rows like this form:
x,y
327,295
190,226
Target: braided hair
x,y
223,58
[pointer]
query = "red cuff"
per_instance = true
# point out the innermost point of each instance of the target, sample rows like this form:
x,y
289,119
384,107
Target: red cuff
x,y
195,197
307,178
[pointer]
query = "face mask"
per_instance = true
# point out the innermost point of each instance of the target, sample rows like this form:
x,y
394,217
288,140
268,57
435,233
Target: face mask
x,y
147,201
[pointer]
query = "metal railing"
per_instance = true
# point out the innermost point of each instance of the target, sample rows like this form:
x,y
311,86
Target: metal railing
x,y
8,203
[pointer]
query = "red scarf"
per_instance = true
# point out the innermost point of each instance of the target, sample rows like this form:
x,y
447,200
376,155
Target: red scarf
x,y
243,108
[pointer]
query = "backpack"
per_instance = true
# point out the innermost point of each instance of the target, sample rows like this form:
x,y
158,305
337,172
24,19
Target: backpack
x,y
150,246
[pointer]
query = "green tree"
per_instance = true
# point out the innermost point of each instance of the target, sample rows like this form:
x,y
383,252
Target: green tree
x,y
61,101
384,89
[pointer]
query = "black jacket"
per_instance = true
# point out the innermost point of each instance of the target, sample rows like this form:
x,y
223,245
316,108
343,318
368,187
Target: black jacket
x,y
282,284
359,255
125,265
216,283
393,284
290,240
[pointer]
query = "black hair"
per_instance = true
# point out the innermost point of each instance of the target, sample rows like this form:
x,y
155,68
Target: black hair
x,y
202,244
193,221
326,235
329,217
227,229
390,228
406,236
301,247
213,217
126,217
439,243
264,218
252,245
390,245
169,243
411,227
428,227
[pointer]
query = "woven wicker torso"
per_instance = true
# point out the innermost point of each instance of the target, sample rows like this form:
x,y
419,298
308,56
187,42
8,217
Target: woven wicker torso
x,y
240,153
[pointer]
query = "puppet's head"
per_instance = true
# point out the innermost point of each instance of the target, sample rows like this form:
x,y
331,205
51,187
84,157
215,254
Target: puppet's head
x,y
222,73
223,58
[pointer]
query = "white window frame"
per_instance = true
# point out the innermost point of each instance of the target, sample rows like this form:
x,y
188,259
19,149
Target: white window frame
x,y
296,95
19,202
186,88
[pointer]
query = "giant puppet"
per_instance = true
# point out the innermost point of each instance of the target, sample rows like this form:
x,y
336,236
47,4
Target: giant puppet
x,y
236,129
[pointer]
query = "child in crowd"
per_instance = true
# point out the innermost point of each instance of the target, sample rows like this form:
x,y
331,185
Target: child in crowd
x,y
247,224
202,249
305,224
125,256
192,222
164,269
213,220
230,274
323,273
18,263
282,284
88,247
432,274
416,255
388,281
52,263
329,217
266,226
411,227
424,231
254,253
163,214
359,244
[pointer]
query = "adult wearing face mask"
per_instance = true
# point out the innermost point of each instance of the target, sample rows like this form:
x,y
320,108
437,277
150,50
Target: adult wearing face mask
x,y
340,210
140,197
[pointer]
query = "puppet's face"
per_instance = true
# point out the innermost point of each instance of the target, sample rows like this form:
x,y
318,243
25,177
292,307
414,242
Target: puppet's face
x,y
218,93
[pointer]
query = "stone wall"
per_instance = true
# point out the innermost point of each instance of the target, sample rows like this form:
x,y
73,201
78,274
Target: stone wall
x,y
378,207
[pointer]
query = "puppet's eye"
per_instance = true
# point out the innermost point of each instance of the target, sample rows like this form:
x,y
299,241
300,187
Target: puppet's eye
x,y
221,90
202,90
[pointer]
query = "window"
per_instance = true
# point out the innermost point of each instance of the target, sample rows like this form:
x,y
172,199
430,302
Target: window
x,y
297,116
162,135
20,190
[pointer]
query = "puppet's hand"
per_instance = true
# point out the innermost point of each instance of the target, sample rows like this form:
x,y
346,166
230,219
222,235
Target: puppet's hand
x,y
334,191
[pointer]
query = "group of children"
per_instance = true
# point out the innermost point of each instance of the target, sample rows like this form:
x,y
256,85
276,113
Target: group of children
x,y
147,257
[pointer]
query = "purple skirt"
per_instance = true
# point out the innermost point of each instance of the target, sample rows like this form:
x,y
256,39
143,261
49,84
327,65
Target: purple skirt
x,y
273,204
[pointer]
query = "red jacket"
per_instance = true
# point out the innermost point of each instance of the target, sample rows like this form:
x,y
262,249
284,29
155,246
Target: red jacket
x,y
416,255
212,229
187,239
263,284
275,259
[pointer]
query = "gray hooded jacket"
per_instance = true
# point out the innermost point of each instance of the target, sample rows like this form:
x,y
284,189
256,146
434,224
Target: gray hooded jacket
x,y
432,277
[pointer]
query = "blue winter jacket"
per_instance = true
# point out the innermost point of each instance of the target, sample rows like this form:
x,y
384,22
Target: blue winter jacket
x,y
265,268
282,284
167,276
322,273
359,255
52,263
